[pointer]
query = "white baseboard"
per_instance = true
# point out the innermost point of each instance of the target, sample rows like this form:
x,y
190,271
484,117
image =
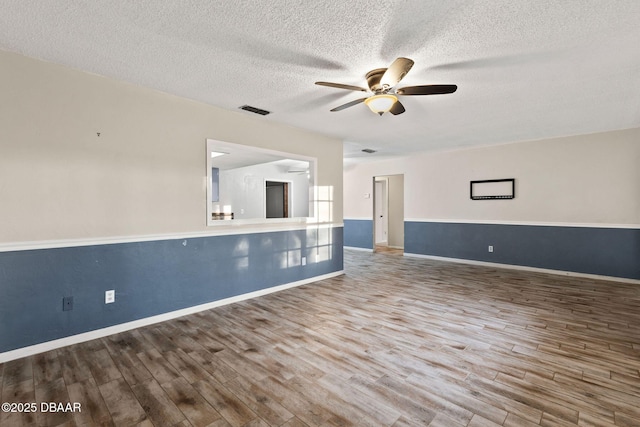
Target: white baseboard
x,y
122,327
525,268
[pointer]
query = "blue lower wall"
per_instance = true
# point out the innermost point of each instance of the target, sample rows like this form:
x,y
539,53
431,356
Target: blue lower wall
x,y
358,233
603,251
149,278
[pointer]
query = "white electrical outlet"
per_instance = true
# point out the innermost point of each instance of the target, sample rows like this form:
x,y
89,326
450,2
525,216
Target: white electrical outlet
x,y
109,297
304,260
490,248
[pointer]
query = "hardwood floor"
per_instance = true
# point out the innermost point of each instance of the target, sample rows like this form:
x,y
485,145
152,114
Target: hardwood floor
x,y
388,250
395,342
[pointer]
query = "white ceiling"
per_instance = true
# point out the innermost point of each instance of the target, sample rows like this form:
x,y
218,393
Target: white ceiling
x,y
525,69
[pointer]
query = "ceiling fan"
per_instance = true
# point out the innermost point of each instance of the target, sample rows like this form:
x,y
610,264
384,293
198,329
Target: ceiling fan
x,y
382,82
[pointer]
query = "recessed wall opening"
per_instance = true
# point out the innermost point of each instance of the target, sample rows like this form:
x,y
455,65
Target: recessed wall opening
x,y
239,178
388,214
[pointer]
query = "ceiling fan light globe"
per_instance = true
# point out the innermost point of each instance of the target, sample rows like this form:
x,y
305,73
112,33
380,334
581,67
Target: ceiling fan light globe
x,y
380,104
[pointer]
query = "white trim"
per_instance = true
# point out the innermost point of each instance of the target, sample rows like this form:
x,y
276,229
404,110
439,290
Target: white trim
x,y
355,248
68,243
499,222
547,224
122,327
525,268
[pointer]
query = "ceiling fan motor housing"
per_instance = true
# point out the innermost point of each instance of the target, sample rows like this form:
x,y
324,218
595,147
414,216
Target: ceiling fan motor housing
x,y
373,80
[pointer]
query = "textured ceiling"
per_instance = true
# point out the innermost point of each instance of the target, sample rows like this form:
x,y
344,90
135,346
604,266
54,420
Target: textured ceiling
x,y
525,69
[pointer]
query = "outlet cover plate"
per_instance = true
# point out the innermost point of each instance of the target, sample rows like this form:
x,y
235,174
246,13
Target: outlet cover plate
x,y
67,303
109,296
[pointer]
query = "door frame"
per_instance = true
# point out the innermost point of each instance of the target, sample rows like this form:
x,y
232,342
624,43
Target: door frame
x,y
395,228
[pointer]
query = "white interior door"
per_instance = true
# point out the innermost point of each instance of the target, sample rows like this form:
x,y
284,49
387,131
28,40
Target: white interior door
x,y
380,212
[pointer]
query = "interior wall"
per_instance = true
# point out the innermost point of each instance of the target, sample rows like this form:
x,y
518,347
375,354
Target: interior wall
x,y
145,171
592,179
587,181
103,187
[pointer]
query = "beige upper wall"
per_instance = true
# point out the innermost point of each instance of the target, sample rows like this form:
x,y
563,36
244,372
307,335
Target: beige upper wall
x,y
144,174
587,179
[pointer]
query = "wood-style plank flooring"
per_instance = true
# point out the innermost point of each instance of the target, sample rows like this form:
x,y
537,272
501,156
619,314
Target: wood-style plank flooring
x,y
388,250
397,341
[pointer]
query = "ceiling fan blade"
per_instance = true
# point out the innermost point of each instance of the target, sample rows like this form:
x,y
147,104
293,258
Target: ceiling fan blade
x,y
396,72
349,104
427,90
397,108
341,86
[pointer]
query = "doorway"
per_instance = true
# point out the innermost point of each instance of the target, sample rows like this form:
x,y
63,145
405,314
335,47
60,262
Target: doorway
x,y
388,213
277,199
381,211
